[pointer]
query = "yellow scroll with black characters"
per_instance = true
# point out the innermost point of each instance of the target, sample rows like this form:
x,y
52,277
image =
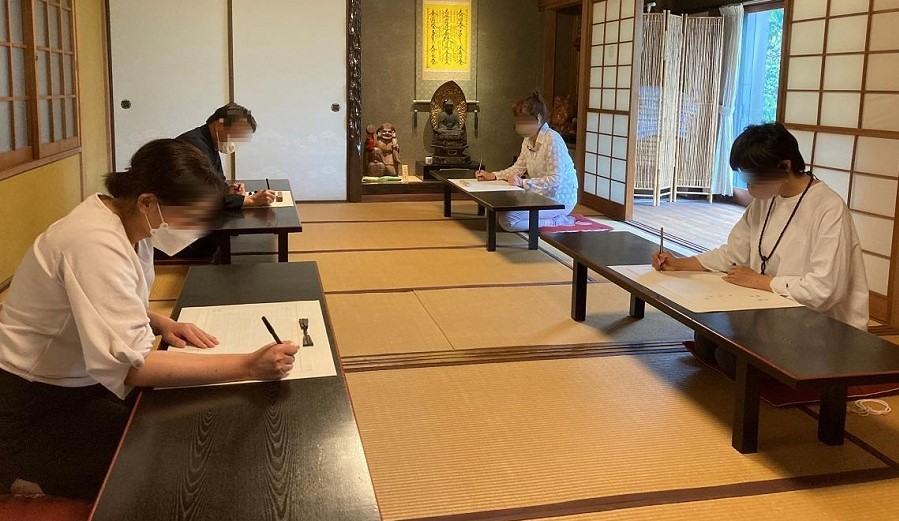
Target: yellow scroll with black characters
x,y
446,39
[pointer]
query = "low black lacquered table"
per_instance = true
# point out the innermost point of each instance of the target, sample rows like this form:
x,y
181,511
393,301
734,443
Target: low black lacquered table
x,y
499,201
286,450
280,221
798,346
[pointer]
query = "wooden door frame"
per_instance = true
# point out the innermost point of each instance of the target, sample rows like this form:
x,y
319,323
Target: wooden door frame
x,y
621,212
354,135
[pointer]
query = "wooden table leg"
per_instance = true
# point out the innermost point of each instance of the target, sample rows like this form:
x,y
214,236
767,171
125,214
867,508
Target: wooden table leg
x,y
447,201
533,229
481,210
638,307
224,254
282,247
579,292
491,230
832,417
746,408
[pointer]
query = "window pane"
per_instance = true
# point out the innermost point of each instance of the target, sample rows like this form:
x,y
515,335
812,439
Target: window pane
x,y
53,20
67,74
43,114
71,123
55,79
15,11
22,137
40,26
3,36
57,120
18,72
5,126
67,30
4,71
43,60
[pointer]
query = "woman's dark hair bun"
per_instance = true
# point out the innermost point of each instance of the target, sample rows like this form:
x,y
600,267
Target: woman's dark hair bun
x,y
176,172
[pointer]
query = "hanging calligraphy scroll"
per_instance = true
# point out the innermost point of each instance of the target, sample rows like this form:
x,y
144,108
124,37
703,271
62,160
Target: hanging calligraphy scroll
x,y
446,39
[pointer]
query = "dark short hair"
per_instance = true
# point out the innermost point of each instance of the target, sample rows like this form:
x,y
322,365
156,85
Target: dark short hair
x,y
231,114
762,148
532,105
176,172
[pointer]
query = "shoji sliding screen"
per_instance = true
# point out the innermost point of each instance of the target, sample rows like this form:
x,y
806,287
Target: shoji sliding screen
x,y
606,150
842,103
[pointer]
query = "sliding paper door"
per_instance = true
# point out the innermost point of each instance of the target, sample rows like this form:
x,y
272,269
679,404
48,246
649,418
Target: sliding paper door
x,y
841,101
606,148
289,68
169,68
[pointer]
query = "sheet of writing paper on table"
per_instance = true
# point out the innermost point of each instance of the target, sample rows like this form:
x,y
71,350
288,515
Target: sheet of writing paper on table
x,y
703,292
286,199
473,185
239,329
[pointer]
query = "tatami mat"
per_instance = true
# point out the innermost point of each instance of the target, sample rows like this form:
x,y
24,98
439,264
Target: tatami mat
x,y
472,318
480,437
163,307
541,315
874,501
396,235
382,211
881,432
169,281
410,269
377,323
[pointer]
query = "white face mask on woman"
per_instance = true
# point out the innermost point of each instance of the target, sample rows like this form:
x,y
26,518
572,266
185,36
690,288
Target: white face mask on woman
x,y
171,240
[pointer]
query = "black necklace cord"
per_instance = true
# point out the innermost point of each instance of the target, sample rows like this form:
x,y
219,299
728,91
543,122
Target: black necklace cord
x,y
765,258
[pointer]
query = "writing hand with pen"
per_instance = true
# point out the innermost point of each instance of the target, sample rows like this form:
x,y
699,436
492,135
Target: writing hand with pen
x,y
260,198
274,360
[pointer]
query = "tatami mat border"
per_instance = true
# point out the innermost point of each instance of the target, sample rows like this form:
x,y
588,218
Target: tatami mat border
x,y
858,441
461,286
449,219
409,248
665,497
491,355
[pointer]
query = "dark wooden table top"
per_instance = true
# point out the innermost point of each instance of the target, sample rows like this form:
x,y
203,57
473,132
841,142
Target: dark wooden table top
x,y
262,219
504,200
808,348
275,451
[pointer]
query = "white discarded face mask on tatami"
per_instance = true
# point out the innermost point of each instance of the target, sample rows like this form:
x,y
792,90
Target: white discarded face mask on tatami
x,y
170,240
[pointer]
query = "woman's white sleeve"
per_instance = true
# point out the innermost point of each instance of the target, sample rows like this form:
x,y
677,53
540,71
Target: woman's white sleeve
x,y
109,313
827,283
519,168
551,169
735,252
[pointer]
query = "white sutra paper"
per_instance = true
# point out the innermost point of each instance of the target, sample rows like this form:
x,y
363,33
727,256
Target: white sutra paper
x,y
473,185
703,292
239,330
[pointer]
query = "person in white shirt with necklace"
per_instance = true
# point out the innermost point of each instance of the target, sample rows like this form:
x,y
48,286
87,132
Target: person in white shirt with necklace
x,y
796,238
545,159
76,332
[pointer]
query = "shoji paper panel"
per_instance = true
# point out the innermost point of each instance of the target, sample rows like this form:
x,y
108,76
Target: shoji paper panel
x,y
877,156
841,101
875,233
878,271
611,68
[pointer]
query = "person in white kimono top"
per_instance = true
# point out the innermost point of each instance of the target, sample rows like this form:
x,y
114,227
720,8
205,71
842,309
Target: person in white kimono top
x,y
76,332
545,159
796,238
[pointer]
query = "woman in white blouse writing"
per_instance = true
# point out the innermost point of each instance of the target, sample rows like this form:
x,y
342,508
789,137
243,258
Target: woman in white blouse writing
x,y
796,238
76,332
545,159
